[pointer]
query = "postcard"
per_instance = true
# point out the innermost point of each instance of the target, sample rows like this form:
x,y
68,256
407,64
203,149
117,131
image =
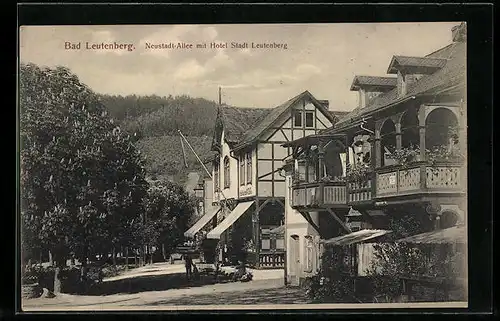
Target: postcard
x,y
243,166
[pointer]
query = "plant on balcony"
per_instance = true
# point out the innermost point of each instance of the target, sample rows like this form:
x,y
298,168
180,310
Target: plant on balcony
x,y
333,179
406,155
358,173
444,153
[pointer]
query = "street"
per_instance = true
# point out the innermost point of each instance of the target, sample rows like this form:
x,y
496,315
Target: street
x,y
158,286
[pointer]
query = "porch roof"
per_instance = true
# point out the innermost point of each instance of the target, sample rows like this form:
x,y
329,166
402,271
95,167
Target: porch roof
x,y
356,237
235,214
311,139
455,234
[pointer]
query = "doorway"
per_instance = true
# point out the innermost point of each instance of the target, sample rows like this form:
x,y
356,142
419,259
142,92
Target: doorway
x,y
294,260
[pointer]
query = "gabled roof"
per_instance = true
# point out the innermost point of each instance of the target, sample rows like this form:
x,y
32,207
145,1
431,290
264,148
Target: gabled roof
x,y
373,81
415,64
450,75
237,121
337,114
270,118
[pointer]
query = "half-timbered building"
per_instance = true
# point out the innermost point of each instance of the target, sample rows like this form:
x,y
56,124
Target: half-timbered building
x,y
399,152
248,181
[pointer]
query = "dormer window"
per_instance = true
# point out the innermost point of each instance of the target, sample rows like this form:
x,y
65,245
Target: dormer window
x,y
369,87
409,69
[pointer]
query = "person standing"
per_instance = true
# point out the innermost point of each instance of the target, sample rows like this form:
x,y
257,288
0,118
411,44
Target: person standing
x,y
188,262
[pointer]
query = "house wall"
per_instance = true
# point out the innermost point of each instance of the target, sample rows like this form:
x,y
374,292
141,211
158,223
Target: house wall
x,y
270,153
209,196
297,225
232,191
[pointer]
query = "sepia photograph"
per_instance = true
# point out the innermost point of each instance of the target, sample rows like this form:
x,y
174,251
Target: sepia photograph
x,y
243,166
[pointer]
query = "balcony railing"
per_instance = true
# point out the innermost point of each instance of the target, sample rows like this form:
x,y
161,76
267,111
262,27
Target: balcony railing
x,y
319,194
360,192
419,178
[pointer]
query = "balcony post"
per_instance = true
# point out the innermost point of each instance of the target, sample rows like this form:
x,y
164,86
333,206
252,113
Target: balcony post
x,y
321,163
421,126
398,135
378,149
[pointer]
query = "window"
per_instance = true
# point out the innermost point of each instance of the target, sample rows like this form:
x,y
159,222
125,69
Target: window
x,y
309,119
226,172
249,168
266,244
301,170
280,244
297,119
308,253
242,170
216,176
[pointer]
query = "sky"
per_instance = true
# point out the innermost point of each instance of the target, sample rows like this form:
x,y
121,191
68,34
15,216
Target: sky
x,y
321,58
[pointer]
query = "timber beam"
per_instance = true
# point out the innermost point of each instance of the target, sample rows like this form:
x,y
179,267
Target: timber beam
x,y
334,215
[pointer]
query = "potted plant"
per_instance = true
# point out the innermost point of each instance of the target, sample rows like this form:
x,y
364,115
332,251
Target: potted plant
x,y
30,283
406,155
358,173
333,179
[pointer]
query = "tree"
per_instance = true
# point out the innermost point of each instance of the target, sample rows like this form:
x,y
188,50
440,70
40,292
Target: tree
x,y
169,209
82,180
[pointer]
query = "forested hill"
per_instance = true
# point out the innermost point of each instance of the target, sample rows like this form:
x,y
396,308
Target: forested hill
x,y
156,119
152,116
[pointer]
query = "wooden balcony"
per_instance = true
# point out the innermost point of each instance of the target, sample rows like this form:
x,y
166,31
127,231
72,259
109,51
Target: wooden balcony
x,y
319,194
420,178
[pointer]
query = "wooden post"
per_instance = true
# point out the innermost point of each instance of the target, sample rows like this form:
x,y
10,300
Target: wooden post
x,y
421,126
126,258
378,149
398,135
256,233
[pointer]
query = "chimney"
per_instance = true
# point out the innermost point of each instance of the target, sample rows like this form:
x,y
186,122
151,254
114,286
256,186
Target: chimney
x,y
459,33
325,103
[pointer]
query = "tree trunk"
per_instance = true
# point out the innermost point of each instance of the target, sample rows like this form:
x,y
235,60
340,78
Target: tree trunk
x,y
114,257
163,252
51,259
135,257
59,264
126,258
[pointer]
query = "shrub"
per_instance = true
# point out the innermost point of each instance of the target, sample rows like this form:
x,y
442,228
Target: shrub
x,y
335,281
395,261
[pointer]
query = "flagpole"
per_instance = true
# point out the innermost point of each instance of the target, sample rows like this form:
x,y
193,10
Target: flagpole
x,y
201,162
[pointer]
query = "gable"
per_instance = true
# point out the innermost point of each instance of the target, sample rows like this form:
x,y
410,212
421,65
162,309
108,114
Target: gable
x,y
280,117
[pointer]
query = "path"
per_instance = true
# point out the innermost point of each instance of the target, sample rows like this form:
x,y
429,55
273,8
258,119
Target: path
x,y
150,286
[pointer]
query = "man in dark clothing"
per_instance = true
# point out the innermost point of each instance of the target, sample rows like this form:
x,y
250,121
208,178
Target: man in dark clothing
x,y
188,263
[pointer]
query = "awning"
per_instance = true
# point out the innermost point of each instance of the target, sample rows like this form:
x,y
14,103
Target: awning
x,y
455,234
356,237
278,230
201,222
229,220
